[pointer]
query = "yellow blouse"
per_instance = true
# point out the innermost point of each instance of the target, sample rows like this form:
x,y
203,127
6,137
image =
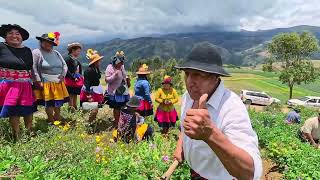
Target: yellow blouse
x,y
163,95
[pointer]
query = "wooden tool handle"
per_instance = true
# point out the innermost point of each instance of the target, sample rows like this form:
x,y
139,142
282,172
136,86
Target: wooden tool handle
x,y
166,175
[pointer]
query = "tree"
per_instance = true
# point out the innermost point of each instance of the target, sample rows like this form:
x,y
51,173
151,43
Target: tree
x,y
170,70
267,66
293,49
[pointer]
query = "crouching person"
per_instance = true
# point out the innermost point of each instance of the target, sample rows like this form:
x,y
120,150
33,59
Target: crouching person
x,y
310,131
131,126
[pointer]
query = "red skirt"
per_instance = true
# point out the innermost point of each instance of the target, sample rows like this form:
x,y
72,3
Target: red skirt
x,y
16,99
166,117
145,109
72,83
95,97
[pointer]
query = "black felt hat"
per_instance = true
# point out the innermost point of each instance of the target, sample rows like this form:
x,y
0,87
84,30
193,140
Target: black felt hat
x,y
4,28
134,102
204,57
45,37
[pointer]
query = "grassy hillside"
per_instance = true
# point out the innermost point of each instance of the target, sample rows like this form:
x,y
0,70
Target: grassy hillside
x,y
67,151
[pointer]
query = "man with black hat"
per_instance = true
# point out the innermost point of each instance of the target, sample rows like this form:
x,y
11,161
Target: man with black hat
x,y
216,138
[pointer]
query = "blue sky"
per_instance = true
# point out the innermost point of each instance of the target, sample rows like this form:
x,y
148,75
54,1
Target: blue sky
x,y
90,19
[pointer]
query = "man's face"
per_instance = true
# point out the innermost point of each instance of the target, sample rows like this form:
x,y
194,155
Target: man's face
x,y
199,83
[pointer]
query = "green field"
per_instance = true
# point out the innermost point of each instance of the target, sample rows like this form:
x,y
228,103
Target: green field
x,y
269,83
69,151
258,80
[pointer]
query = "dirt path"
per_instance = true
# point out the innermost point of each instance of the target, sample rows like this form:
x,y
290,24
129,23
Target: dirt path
x,y
270,170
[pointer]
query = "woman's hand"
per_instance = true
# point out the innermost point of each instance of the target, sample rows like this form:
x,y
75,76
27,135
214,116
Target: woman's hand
x,y
38,85
89,97
167,102
61,78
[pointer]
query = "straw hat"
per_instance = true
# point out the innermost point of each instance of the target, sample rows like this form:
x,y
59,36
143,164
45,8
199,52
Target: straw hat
x,y
143,70
74,44
93,56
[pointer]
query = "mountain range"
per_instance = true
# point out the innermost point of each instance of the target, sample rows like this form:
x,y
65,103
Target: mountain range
x,y
243,48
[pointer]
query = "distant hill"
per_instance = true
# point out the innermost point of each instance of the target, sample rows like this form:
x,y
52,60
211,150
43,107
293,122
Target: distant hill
x,y
239,48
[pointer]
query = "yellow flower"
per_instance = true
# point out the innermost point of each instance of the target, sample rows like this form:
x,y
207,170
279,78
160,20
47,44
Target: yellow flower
x,y
56,123
100,144
104,160
97,155
82,135
51,35
166,76
115,133
144,66
98,139
65,128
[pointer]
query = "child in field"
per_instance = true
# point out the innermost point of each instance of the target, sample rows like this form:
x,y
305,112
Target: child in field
x,y
166,114
131,124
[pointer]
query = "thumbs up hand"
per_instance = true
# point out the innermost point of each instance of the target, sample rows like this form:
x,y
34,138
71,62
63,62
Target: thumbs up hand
x,y
197,123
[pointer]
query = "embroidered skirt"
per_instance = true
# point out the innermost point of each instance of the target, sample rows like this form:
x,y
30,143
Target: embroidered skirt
x,y
16,95
53,94
16,99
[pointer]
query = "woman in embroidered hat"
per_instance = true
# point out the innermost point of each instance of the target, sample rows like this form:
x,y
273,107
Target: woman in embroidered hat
x,y
166,114
142,89
74,78
92,91
117,93
16,95
50,70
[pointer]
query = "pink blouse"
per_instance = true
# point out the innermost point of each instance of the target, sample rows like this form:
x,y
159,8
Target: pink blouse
x,y
112,79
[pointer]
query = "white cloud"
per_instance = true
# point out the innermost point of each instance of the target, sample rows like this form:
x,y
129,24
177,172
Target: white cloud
x,y
285,13
130,18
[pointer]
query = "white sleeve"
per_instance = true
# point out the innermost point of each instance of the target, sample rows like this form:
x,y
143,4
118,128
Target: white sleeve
x,y
182,113
237,127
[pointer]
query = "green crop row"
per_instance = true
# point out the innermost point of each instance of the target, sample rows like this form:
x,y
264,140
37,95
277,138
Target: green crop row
x,y
296,159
